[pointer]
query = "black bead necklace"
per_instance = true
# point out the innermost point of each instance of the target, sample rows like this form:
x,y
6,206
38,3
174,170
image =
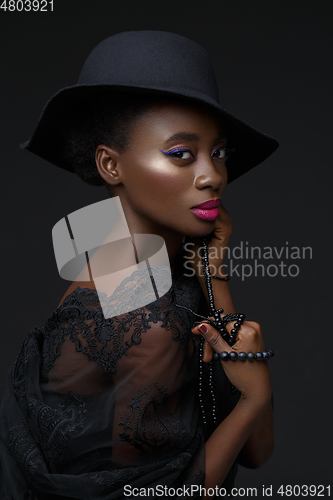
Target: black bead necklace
x,y
219,323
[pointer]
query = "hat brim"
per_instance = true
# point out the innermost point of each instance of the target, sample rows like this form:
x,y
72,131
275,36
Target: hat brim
x,y
47,140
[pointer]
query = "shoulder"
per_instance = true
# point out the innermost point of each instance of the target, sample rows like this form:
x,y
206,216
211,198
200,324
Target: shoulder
x,y
74,286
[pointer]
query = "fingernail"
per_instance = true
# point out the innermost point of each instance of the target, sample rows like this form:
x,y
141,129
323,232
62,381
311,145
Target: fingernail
x,y
202,328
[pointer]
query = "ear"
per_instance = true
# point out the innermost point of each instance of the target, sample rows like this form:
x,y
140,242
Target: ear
x,y
107,164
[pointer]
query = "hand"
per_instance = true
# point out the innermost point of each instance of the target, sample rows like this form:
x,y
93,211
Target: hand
x,y
251,378
217,243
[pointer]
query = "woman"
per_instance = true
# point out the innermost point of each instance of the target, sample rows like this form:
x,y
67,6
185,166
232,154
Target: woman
x,y
113,401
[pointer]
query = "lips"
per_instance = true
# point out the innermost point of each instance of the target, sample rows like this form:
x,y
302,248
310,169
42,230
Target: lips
x,y
207,210
209,204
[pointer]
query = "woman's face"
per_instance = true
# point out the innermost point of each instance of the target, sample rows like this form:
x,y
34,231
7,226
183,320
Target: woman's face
x,y
174,162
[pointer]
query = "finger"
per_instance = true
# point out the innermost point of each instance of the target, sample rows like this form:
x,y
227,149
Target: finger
x,y
229,327
212,337
207,352
223,221
232,330
224,214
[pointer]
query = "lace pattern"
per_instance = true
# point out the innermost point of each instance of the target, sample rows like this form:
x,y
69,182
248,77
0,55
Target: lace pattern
x,y
150,422
143,287
53,425
81,320
93,404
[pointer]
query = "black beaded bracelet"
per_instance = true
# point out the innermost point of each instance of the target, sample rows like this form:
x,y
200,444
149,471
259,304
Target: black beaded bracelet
x,y
243,356
227,277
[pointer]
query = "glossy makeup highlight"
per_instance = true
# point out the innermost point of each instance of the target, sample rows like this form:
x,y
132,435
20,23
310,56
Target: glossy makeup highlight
x,y
175,162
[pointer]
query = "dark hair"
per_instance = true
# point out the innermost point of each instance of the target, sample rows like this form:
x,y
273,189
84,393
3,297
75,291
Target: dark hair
x,y
105,118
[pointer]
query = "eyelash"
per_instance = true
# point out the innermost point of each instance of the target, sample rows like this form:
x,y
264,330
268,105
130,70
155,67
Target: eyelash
x,y
174,152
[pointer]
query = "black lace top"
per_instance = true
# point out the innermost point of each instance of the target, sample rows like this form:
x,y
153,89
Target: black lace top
x,y
94,404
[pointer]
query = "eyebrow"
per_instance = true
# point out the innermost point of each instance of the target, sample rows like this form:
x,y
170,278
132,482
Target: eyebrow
x,y
192,137
184,135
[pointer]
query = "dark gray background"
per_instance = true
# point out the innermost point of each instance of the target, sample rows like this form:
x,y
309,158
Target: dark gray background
x,y
273,63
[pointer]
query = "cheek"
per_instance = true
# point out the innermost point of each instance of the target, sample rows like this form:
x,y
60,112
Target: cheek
x,y
159,177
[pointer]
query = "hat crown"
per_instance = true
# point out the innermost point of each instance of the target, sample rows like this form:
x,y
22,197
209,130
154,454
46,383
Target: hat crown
x,y
151,59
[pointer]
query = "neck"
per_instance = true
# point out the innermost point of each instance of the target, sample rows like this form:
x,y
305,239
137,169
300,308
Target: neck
x,y
172,240
137,224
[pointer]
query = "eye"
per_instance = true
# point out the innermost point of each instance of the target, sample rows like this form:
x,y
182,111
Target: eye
x,y
179,154
223,153
220,153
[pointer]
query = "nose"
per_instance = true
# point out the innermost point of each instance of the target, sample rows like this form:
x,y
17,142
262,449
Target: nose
x,y
210,174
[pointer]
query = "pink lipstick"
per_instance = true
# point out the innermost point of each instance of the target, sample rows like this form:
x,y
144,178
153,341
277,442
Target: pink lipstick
x,y
207,210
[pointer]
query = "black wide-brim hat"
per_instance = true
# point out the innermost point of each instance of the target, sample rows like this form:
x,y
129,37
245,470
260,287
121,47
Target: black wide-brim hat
x,y
154,62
